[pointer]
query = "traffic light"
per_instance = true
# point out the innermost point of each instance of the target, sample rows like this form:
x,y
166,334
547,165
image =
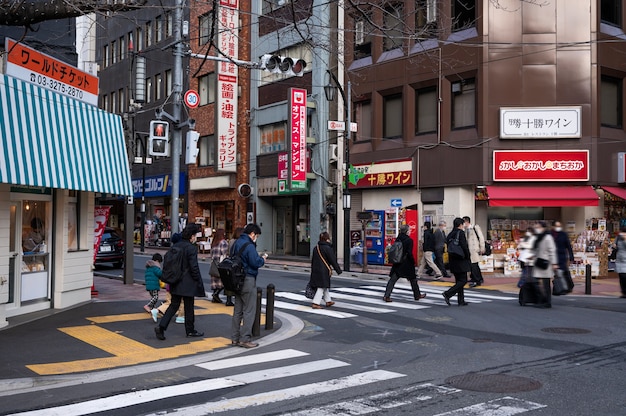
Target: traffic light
x,y
191,150
158,142
282,65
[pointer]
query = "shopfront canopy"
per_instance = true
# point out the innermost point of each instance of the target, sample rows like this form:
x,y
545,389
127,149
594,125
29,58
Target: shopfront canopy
x,y
619,192
54,141
542,196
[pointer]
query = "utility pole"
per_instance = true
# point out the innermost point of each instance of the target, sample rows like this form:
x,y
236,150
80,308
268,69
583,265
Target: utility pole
x,y
177,136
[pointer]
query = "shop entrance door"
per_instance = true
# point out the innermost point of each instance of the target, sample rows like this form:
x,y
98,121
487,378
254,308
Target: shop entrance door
x,y
284,231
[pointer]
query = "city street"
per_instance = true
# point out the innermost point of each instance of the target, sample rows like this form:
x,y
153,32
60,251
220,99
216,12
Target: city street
x,y
364,356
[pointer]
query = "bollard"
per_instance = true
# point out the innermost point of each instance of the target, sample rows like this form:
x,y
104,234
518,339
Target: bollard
x,y
588,279
269,307
256,327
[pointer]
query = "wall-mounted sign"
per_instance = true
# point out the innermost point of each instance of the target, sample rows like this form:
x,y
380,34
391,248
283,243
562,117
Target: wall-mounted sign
x,y
160,185
32,66
540,122
382,174
540,165
297,134
283,175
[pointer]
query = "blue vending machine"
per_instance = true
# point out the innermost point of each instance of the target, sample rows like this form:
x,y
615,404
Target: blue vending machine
x,y
375,238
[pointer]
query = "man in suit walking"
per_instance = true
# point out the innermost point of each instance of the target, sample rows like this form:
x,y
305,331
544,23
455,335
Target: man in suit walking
x,y
440,243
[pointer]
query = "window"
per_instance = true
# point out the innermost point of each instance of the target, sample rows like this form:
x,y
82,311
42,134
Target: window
x,y
158,29
426,110
121,103
363,114
425,17
206,155
463,14
148,90
148,34
168,82
73,221
113,52
169,24
106,56
106,104
140,39
362,39
122,46
611,102
158,85
611,12
271,5
463,103
207,85
393,24
114,102
273,137
205,26
392,116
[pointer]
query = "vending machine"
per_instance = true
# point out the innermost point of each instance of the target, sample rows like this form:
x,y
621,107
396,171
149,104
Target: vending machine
x,y
395,217
374,238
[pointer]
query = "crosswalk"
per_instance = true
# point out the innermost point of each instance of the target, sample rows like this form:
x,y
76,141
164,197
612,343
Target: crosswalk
x,y
351,301
298,366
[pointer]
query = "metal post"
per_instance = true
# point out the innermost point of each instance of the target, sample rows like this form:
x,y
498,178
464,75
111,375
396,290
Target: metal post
x,y
143,198
177,74
363,226
346,190
588,279
269,307
256,326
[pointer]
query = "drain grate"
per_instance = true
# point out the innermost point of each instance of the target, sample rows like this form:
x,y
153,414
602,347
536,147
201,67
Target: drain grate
x,y
557,330
493,383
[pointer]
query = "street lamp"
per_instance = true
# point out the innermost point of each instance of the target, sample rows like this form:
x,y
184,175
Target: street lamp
x,y
330,92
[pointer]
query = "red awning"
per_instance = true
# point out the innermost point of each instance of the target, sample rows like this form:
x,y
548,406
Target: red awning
x,y
542,196
619,192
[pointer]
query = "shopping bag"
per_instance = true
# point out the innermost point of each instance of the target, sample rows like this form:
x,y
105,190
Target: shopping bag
x,y
309,291
559,284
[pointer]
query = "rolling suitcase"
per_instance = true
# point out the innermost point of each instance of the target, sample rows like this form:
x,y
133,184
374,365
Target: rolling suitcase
x,y
528,293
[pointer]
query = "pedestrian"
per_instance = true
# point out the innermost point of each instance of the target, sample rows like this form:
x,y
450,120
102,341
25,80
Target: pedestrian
x,y
476,244
564,252
245,302
321,261
160,311
526,255
151,278
620,259
236,234
189,286
406,268
545,263
459,265
428,248
219,250
440,245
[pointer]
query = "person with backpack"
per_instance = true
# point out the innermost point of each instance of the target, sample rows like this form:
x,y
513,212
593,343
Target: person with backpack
x,y
219,250
459,264
188,284
405,267
245,301
428,247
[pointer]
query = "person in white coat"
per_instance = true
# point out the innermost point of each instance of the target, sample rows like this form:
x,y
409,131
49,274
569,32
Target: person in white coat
x,y
545,262
476,243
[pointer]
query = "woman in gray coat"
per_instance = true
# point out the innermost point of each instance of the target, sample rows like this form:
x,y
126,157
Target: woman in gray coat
x,y
620,259
545,261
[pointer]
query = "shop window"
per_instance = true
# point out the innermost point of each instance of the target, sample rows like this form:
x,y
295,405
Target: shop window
x,y
611,12
362,39
35,227
463,103
205,26
392,116
611,102
426,110
393,26
363,113
463,14
273,137
207,151
207,85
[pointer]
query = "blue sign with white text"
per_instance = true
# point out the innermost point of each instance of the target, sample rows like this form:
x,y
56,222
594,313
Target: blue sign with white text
x,y
160,185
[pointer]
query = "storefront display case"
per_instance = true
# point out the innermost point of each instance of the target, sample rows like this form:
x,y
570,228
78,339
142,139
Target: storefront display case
x,y
34,276
374,238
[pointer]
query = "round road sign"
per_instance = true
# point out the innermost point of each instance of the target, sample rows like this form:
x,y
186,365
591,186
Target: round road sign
x,y
192,99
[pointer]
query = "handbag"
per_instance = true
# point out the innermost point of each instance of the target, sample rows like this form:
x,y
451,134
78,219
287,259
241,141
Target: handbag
x,y
309,291
542,263
559,284
213,270
454,247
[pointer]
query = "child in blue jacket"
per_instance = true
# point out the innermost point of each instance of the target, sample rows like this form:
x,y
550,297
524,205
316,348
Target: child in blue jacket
x,y
151,277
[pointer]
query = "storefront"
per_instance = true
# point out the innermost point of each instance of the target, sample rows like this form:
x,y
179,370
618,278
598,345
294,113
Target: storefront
x,y
57,153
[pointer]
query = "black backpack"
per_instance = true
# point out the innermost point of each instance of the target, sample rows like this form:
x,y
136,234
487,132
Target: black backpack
x,y
232,271
395,252
173,265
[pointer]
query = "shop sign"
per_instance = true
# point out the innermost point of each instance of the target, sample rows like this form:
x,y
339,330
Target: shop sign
x,y
621,167
382,174
227,86
283,176
540,122
101,218
160,185
297,134
43,70
541,165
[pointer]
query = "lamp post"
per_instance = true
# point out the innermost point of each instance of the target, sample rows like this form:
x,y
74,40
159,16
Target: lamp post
x,y
330,92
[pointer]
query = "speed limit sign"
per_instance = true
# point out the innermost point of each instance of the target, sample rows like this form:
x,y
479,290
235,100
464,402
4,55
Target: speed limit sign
x,y
192,99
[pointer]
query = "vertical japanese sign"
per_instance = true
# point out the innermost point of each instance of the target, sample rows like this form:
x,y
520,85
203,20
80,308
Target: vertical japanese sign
x,y
101,217
297,133
227,86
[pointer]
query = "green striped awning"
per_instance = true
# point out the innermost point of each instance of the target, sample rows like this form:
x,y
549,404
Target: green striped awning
x,y
54,141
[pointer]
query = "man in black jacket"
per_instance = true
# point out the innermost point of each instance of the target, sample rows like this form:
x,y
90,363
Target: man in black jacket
x,y
405,269
428,247
440,243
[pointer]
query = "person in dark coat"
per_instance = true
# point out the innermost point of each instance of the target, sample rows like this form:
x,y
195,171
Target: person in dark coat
x,y
459,266
322,260
404,269
564,252
188,287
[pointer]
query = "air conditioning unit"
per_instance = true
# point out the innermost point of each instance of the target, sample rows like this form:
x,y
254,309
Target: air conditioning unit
x,y
333,153
359,32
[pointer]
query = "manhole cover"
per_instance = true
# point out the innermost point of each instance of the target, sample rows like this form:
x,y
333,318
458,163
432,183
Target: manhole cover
x,y
557,330
493,383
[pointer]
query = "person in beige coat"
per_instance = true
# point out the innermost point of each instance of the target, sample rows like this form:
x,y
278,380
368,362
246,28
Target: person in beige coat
x,y
545,262
476,244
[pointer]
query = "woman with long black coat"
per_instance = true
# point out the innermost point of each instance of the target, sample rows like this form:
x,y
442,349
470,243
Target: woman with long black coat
x,y
459,266
321,262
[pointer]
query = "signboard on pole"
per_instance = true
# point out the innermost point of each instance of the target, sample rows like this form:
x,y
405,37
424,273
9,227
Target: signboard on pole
x,y
297,134
227,86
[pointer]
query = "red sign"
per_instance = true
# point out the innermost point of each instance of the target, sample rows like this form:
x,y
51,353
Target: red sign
x,y
541,165
192,99
101,217
297,132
